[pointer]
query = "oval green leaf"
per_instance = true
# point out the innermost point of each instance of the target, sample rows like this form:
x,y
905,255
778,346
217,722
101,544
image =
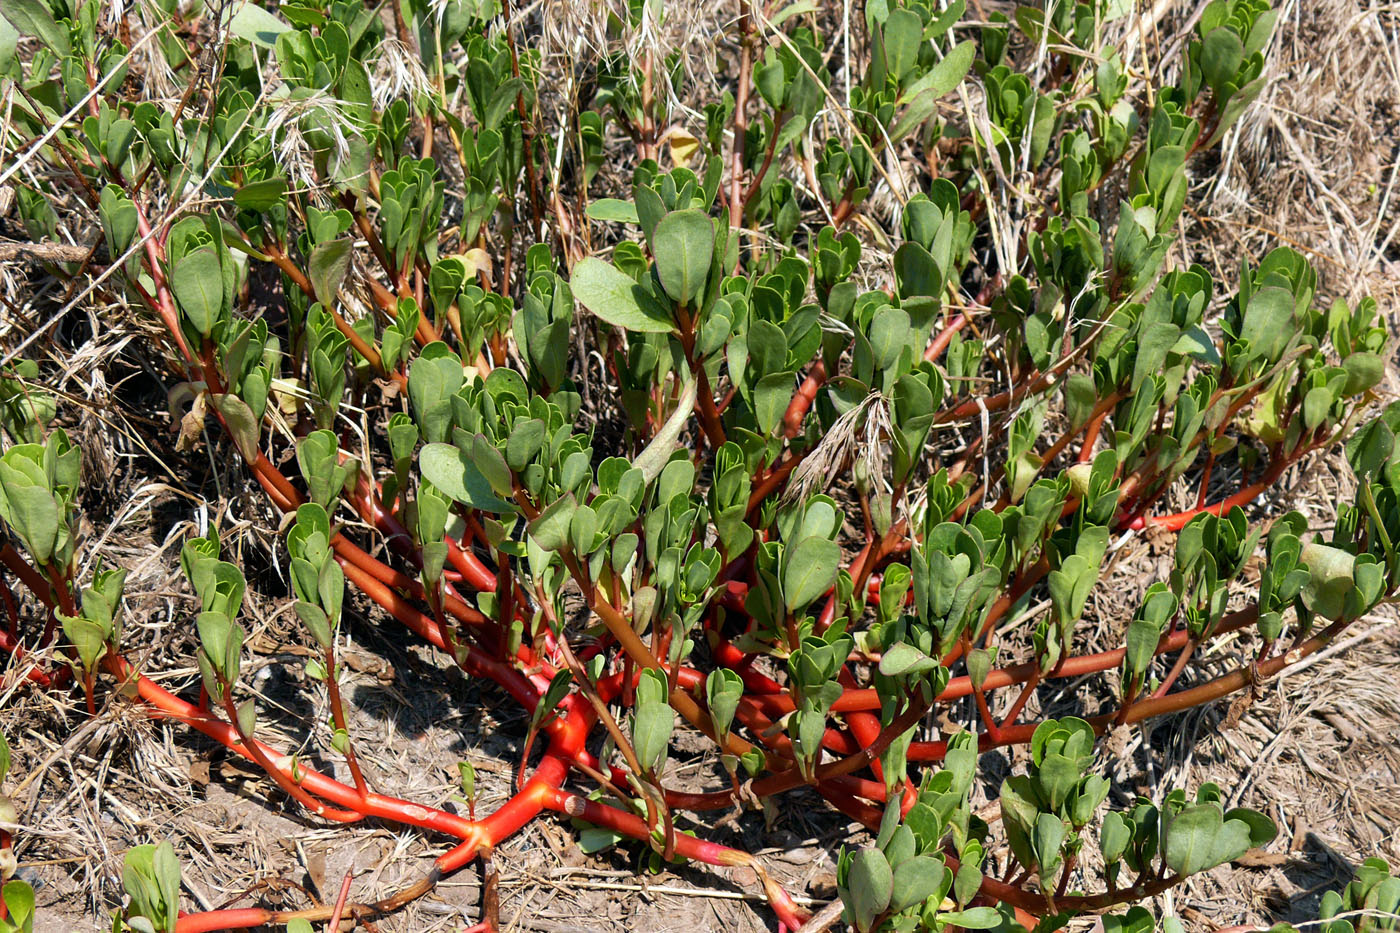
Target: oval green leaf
x,y
197,282
614,297
451,471
810,571
684,244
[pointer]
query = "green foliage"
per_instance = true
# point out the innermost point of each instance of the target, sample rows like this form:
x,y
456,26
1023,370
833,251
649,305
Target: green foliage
x,y
151,877
25,408
1370,902
905,881
38,487
653,721
19,904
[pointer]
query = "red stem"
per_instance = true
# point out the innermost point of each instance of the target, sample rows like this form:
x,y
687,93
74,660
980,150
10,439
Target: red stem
x,y
802,401
698,850
940,343
334,925
1243,497
242,918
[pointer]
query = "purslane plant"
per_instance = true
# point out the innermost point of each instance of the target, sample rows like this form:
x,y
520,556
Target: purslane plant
x,y
824,481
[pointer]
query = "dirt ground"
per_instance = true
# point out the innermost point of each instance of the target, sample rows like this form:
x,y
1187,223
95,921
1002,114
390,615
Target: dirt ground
x,y
1314,165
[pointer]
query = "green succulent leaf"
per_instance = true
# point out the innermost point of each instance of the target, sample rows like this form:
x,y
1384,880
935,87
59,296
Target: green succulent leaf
x,y
327,268
197,283
617,299
903,658
32,18
1329,579
250,21
810,571
550,528
684,243
19,903
916,880
451,470
242,424
871,886
654,457
652,724
612,210
974,918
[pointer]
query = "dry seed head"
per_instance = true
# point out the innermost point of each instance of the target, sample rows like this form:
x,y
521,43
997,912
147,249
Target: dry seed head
x,y
116,12
397,73
159,77
438,9
858,434
285,130
576,32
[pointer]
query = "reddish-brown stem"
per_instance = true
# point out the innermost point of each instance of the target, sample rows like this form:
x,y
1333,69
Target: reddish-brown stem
x,y
287,782
624,746
600,814
778,120
773,480
362,223
802,401
242,918
1221,686
58,578
998,402
1100,411
339,911
10,645
338,717
314,782
11,609
165,304
1143,480
31,578
1243,497
940,343
367,352
1091,437
741,116
988,721
704,398
1176,670
845,207
958,687
1205,480
1016,708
